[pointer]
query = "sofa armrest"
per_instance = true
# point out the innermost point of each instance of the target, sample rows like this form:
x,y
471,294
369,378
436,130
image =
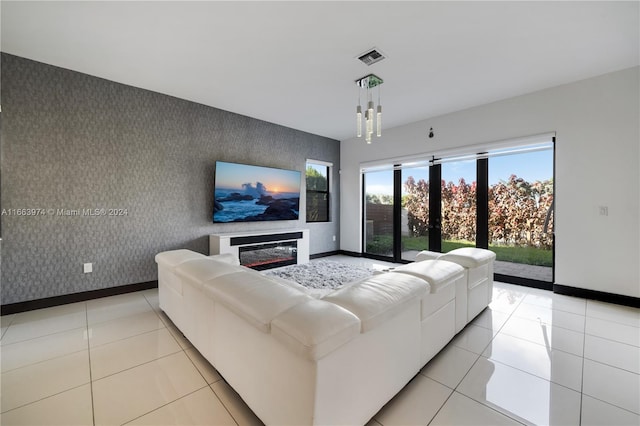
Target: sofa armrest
x,y
469,257
438,273
199,271
173,258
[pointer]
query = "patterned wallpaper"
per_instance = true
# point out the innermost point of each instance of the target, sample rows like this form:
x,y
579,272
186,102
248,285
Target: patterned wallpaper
x,y
97,171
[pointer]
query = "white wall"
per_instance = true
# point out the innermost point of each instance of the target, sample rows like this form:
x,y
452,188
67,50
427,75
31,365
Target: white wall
x,y
597,129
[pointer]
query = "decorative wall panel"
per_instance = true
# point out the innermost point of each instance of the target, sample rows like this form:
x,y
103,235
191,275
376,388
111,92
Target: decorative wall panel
x,y
115,174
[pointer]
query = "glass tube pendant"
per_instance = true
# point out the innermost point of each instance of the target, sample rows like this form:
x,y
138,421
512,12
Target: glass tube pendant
x,y
368,83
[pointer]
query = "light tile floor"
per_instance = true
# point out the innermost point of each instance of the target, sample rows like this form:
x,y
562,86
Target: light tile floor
x,y
533,357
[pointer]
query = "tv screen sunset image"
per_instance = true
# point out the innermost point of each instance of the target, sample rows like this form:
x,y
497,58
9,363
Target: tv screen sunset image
x,y
248,193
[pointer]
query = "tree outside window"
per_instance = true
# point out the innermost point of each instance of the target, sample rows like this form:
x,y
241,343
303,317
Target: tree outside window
x,y
317,177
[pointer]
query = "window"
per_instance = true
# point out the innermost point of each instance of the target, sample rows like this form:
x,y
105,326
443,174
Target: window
x,y
499,196
378,212
317,176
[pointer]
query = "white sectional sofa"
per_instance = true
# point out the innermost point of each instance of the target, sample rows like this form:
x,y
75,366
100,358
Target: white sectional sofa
x,y
298,360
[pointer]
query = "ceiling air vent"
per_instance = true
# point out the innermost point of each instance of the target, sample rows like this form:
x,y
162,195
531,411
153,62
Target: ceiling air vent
x,y
371,57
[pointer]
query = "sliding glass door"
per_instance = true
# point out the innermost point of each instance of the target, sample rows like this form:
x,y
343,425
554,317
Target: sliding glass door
x,y
378,213
501,200
415,211
458,198
521,214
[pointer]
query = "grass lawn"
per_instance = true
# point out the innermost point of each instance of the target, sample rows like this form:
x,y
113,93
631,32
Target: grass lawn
x,y
382,244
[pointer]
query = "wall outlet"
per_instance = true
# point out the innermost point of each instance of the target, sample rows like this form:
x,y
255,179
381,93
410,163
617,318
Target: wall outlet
x,y
88,267
604,211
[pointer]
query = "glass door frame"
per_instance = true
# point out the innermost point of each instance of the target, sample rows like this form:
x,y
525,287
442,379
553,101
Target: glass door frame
x,y
396,257
435,213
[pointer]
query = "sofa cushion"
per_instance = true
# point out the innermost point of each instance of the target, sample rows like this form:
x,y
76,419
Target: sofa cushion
x,y
379,297
198,271
438,273
427,255
174,258
469,257
315,328
253,296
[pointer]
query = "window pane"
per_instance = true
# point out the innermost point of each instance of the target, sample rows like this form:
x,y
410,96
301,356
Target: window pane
x,y
458,205
317,207
317,192
378,212
415,211
520,214
317,177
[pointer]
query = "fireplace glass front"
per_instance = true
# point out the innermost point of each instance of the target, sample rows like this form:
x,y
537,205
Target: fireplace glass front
x,y
268,256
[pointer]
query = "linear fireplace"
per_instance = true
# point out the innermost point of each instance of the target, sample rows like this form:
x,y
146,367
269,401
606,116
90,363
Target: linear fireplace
x,y
268,256
264,249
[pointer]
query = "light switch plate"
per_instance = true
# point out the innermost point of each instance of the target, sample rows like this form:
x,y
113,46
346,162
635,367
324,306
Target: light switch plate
x,y
88,267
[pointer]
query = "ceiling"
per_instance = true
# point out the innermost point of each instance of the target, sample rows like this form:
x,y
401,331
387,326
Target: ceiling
x,y
294,62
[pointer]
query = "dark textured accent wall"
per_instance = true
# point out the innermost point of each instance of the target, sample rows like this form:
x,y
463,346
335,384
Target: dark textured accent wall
x,y
71,141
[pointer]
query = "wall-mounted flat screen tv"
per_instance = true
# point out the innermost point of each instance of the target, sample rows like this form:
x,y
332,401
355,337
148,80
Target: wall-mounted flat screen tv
x,y
247,193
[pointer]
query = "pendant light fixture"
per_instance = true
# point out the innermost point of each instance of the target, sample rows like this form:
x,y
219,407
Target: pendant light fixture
x,y
367,84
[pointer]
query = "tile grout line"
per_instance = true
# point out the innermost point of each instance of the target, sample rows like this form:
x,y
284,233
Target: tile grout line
x,y
633,347
584,344
42,399
531,374
164,405
134,335
564,311
41,337
613,405
144,363
443,404
93,411
43,361
198,370
221,401
611,366
131,337
13,317
549,324
546,346
606,316
612,340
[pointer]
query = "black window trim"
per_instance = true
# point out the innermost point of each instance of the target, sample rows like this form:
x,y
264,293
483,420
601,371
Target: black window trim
x,y
327,193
